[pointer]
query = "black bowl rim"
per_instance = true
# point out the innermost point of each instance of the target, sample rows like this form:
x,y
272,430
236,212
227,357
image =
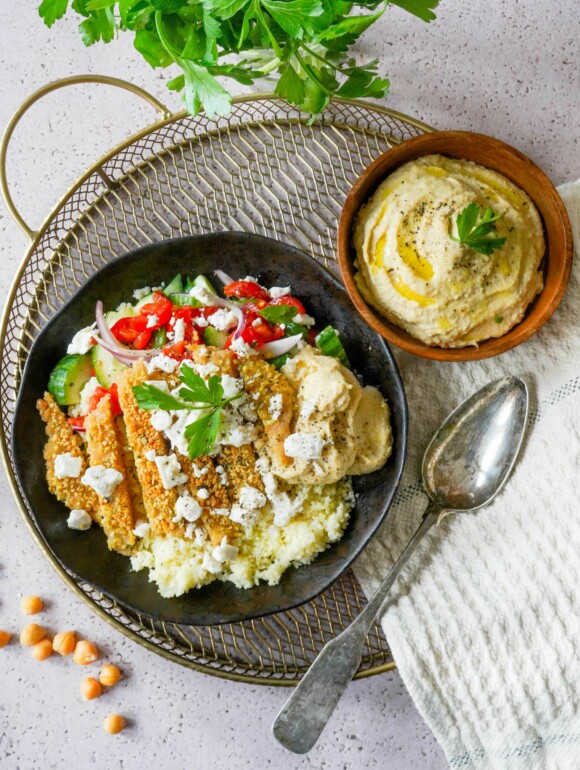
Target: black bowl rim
x,y
402,433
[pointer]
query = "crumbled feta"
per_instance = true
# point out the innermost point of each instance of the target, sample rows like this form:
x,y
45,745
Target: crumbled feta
x,y
201,294
204,370
304,319
211,564
189,530
125,309
257,322
161,420
279,291
275,406
242,348
240,515
86,394
170,471
67,466
202,493
142,528
179,330
152,321
224,319
103,480
250,279
176,432
150,455
303,445
220,511
199,472
160,384
163,363
224,551
201,321
140,293
187,508
251,498
79,519
83,341
232,385
220,469
200,536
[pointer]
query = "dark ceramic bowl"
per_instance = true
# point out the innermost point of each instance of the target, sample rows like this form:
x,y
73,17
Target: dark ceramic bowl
x,y
86,553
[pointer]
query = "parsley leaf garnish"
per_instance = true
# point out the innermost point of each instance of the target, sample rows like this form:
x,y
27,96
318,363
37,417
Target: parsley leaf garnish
x,y
196,394
302,44
279,314
476,235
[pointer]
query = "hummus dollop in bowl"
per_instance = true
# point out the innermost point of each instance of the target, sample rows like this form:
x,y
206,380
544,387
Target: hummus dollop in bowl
x,y
413,281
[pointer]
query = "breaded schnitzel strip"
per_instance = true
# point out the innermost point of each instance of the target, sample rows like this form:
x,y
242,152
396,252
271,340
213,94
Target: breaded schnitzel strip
x,y
159,502
263,382
239,463
135,491
105,448
203,475
62,439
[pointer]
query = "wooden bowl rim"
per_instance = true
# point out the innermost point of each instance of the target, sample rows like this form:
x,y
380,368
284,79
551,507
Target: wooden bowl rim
x,y
434,143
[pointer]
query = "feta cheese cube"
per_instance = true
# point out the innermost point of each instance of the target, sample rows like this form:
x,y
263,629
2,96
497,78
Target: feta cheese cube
x,y
275,406
150,455
140,293
152,321
179,330
224,552
304,319
224,319
279,291
251,498
170,471
163,363
142,528
161,420
203,493
187,508
67,466
103,480
211,564
79,519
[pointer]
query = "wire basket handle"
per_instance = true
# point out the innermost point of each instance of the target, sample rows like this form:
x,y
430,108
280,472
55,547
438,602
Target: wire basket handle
x,y
43,91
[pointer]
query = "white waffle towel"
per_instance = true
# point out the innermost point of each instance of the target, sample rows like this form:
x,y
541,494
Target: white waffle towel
x,y
484,622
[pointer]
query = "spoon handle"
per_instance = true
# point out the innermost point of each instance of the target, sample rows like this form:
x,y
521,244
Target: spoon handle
x,y
298,726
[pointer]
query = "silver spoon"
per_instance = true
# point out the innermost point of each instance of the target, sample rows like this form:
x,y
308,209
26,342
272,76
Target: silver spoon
x,y
465,465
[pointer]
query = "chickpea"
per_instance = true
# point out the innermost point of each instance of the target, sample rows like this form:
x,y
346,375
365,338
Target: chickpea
x,y
114,723
64,642
31,634
5,637
110,675
30,605
41,650
85,653
90,688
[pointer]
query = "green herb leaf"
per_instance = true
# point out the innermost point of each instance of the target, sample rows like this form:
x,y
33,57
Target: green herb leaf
x,y
420,8
150,397
202,434
52,10
294,16
474,234
198,390
150,48
278,314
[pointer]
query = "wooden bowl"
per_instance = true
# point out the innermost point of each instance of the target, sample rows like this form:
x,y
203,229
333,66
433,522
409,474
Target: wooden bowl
x,y
514,165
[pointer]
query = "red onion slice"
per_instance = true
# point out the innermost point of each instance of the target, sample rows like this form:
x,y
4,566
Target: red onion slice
x,y
78,428
279,347
224,277
108,341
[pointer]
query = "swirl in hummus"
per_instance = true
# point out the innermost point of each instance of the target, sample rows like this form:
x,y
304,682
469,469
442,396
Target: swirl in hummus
x,y
440,291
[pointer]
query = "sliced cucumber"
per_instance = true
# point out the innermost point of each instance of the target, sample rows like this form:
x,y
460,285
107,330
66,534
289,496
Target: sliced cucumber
x,y
213,337
205,283
69,377
143,301
115,315
159,338
328,342
291,328
181,299
174,287
106,366
279,361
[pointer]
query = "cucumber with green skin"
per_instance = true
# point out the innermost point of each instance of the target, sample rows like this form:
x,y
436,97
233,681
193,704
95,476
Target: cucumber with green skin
x,y
328,342
214,337
174,286
182,299
69,377
106,366
205,283
159,338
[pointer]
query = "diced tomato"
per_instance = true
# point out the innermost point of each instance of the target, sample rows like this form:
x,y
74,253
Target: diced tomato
x,y
246,289
311,336
261,332
177,350
114,393
123,330
76,422
161,307
290,301
254,306
142,340
98,394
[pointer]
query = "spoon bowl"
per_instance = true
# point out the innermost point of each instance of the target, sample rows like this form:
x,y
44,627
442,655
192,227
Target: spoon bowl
x,y
469,459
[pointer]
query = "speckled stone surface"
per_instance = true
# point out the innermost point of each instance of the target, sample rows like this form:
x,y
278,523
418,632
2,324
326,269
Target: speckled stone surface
x,y
506,68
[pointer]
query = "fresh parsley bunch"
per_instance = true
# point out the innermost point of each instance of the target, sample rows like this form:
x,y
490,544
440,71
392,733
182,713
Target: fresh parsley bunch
x,y
197,394
304,44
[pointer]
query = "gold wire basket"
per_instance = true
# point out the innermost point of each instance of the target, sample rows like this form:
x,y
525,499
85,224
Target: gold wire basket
x,y
262,169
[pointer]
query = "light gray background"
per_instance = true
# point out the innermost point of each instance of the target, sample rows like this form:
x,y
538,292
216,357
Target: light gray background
x,y
505,67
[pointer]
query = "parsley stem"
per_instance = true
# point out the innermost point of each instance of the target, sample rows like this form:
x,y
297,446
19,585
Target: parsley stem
x,y
310,72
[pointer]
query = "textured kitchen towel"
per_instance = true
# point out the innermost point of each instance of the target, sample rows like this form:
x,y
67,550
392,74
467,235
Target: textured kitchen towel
x,y
484,623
